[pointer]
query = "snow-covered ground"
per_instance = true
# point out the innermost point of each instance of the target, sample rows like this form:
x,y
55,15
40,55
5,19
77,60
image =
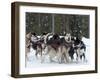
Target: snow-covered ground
x,y
36,62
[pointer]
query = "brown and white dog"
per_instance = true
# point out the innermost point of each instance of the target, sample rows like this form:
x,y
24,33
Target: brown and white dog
x,y
27,43
55,47
38,44
27,46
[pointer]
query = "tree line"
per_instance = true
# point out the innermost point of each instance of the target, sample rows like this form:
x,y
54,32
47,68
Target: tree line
x,y
77,25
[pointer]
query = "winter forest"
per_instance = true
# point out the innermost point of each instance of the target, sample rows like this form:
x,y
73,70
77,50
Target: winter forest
x,y
76,25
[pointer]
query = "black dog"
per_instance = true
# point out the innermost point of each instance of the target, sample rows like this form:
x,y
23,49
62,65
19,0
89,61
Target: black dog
x,y
54,41
79,48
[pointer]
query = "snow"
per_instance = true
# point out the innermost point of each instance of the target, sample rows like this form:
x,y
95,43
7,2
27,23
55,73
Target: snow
x,y
34,61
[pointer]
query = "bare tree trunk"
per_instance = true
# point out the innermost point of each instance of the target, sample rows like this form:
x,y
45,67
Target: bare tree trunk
x,y
39,23
67,24
53,21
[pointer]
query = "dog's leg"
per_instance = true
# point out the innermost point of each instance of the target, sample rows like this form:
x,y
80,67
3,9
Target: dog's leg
x,y
36,54
62,54
78,54
81,57
62,58
84,57
42,60
76,57
66,56
75,52
72,58
52,54
59,55
43,55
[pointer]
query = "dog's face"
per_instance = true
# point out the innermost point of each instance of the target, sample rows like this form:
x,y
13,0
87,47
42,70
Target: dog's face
x,y
68,37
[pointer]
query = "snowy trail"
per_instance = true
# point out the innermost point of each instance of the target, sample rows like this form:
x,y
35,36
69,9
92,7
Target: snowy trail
x,y
33,62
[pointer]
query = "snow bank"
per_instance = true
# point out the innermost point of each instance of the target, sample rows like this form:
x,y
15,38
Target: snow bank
x,y
86,41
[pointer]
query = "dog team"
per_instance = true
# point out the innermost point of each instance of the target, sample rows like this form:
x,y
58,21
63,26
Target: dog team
x,y
54,45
